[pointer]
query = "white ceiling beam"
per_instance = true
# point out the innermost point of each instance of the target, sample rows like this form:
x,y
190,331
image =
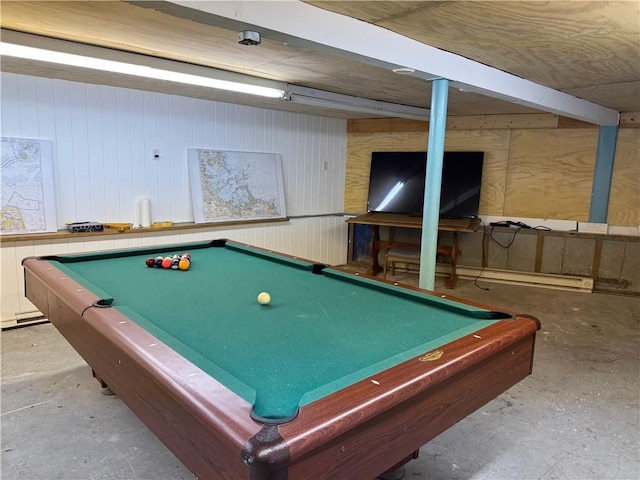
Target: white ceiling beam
x,y
307,26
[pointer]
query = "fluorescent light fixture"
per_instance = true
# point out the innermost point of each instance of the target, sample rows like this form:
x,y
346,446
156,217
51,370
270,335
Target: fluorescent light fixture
x,y
337,101
50,56
72,54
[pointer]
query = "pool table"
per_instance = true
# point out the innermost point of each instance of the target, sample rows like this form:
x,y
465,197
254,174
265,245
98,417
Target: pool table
x,y
340,376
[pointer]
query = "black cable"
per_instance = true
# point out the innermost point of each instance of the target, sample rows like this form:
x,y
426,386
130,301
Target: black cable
x,y
484,255
510,242
484,234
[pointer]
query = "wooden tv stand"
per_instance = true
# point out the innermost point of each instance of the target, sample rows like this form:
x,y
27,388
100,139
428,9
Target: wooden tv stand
x,y
394,220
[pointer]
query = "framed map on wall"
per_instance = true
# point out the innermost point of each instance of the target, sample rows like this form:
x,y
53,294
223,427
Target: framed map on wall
x,y
26,180
230,186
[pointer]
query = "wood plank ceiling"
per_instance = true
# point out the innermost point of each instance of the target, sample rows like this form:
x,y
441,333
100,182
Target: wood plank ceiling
x,y
589,49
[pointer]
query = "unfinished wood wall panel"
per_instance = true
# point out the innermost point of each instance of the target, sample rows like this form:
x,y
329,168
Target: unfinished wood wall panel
x,y
471,249
528,172
495,144
578,256
552,255
630,120
497,255
522,253
619,266
551,173
624,200
611,259
493,122
630,276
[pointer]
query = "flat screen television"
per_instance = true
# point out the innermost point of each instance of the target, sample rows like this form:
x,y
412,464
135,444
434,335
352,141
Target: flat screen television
x,y
397,183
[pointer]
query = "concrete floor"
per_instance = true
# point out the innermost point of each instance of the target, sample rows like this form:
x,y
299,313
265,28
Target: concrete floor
x,y
576,417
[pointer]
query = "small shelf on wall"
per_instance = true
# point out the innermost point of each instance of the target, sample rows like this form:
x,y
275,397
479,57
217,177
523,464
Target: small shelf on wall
x,y
108,232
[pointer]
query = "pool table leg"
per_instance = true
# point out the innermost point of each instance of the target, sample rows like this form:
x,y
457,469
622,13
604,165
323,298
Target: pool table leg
x,y
104,388
397,471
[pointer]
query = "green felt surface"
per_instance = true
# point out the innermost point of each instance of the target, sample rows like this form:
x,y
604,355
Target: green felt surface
x,y
319,334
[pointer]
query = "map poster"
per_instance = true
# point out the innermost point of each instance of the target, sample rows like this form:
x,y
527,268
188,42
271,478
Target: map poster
x,y
26,182
229,186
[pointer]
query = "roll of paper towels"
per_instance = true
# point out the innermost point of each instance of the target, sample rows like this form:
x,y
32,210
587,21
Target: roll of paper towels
x,y
145,212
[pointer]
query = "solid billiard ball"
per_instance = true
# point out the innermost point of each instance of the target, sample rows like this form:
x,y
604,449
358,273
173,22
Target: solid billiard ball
x,y
264,298
184,263
151,262
166,263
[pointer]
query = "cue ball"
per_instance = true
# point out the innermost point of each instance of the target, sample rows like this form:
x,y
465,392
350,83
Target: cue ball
x,y
264,298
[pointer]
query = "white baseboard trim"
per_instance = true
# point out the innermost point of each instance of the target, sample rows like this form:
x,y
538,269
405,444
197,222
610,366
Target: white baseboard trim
x,y
546,280
22,318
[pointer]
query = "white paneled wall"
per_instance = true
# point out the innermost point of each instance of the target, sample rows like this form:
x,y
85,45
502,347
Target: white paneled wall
x,y
103,141
104,137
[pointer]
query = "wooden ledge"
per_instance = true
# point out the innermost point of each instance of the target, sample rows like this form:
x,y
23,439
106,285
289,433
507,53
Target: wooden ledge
x,y
107,232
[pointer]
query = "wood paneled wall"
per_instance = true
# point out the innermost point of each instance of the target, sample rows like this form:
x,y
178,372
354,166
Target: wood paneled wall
x,y
550,175
624,201
532,168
